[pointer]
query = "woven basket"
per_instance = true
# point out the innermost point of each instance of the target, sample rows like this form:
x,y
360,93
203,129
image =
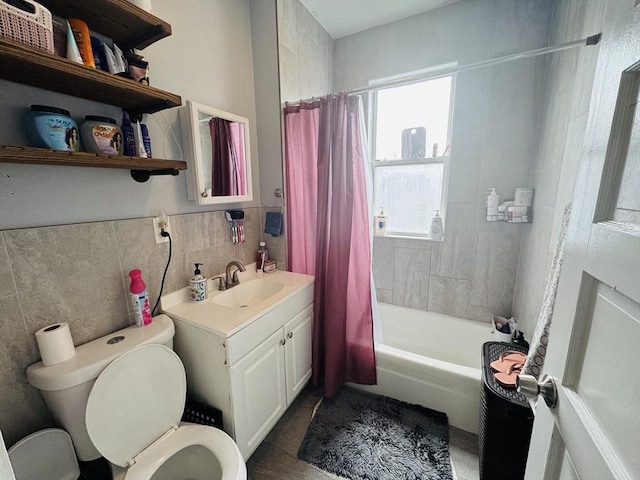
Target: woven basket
x,y
30,25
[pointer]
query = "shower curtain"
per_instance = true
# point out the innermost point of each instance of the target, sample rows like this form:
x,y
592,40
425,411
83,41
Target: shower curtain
x,y
328,234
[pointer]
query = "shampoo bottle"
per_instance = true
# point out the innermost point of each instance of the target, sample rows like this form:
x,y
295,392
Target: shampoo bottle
x,y
139,299
129,138
146,141
493,200
380,223
437,230
198,285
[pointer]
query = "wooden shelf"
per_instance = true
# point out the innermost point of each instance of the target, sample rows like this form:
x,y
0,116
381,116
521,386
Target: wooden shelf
x,y
43,156
23,64
128,25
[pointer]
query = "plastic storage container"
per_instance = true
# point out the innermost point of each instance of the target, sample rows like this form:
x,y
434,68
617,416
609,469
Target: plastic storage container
x,y
51,127
101,135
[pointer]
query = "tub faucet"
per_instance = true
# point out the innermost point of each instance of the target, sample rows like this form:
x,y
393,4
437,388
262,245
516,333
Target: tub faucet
x,y
232,281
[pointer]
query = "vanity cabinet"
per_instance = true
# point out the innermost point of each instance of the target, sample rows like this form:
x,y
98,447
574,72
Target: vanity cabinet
x,y
255,373
268,379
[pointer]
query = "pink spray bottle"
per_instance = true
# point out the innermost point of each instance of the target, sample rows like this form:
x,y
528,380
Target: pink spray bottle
x,y
139,299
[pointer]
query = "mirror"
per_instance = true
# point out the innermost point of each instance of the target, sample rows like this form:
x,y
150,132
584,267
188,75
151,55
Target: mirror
x,y
216,145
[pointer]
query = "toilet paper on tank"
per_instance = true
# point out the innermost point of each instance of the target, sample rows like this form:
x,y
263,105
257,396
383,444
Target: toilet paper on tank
x,y
55,343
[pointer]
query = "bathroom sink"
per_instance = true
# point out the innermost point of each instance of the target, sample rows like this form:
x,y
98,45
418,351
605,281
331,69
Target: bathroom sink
x,y
248,293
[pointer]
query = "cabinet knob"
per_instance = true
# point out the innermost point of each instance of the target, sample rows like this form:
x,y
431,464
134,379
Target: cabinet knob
x,y
283,341
290,335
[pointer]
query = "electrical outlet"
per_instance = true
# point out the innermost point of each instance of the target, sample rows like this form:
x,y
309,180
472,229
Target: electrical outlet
x,y
159,224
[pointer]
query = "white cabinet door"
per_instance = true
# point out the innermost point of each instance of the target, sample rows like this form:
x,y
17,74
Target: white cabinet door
x,y
258,392
298,332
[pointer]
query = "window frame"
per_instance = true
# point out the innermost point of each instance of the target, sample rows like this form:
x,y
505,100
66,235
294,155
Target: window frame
x,y
444,160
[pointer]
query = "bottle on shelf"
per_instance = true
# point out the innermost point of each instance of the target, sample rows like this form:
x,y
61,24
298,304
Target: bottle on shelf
x,y
493,200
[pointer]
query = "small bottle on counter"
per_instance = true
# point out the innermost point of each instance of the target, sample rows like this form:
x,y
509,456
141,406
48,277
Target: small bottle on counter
x,y
262,255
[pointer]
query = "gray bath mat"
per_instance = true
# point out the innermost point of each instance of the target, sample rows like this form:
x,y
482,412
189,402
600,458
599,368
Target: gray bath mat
x,y
368,437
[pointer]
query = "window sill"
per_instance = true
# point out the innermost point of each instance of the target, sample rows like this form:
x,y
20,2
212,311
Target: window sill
x,y
409,237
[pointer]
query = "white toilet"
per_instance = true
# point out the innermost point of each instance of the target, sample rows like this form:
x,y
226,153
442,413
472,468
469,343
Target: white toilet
x,y
122,396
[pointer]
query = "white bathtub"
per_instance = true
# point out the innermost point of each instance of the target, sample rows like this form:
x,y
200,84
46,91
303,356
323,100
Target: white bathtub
x,y
431,360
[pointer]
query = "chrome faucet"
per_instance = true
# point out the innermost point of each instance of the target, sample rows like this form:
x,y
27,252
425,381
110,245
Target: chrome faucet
x,y
232,281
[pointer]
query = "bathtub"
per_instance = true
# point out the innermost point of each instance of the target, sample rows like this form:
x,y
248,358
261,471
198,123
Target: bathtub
x,y
431,360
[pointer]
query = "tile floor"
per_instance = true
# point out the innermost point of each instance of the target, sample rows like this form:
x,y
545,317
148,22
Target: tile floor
x,y
276,458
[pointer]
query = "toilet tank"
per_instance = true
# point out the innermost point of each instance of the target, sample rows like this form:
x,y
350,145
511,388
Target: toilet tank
x,y
66,386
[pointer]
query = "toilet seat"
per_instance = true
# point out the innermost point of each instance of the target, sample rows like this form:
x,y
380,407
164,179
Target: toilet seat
x,y
133,416
135,400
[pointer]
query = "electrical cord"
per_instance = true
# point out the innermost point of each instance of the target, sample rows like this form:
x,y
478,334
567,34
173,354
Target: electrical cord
x,y
164,275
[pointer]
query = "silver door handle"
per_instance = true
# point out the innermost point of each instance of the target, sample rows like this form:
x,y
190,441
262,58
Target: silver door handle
x,y
529,386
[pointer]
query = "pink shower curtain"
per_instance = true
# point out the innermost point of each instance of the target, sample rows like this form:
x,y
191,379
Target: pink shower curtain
x,y
328,234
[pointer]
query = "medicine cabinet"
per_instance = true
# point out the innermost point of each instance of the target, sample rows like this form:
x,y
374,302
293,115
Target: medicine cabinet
x,y
216,147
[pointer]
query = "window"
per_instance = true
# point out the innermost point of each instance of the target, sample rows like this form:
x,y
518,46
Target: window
x,y
411,128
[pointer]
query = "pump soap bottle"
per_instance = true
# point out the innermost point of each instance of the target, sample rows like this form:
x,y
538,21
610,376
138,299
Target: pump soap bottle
x,y
198,283
437,230
139,299
380,223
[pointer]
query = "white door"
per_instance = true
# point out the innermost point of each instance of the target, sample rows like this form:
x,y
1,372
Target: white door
x,y
298,331
258,392
594,344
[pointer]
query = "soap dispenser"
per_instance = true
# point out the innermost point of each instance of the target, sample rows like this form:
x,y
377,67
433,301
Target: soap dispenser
x,y
437,231
380,223
198,285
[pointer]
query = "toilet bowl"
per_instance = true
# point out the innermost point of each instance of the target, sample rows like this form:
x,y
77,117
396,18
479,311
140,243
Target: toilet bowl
x,y
44,454
133,419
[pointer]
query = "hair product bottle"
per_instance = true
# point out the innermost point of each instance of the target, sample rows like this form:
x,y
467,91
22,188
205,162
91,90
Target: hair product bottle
x,y
129,140
139,299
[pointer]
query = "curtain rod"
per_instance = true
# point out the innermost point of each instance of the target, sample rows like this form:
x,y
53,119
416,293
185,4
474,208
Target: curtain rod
x,y
419,77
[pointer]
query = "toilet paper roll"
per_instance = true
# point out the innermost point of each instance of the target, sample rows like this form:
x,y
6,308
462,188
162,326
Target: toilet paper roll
x,y
55,343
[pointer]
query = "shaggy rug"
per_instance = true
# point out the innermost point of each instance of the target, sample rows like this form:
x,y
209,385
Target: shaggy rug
x,y
360,436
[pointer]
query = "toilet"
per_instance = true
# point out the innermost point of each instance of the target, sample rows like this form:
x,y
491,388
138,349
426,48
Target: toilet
x,y
122,397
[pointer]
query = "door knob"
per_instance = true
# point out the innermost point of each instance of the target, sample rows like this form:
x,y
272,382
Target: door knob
x,y
529,386
290,335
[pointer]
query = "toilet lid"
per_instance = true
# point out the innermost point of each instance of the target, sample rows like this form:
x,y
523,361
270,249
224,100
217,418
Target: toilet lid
x,y
137,398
